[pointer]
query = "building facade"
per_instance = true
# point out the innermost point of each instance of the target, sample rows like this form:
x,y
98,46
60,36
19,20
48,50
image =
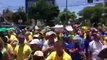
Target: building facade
x,y
29,3
105,2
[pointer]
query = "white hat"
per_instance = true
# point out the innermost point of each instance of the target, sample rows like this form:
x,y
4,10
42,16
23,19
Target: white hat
x,y
35,41
69,28
39,53
50,33
36,35
36,27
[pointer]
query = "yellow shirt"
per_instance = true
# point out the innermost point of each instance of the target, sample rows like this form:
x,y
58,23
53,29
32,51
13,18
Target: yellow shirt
x,y
9,48
54,56
22,52
30,38
85,36
104,42
61,35
13,38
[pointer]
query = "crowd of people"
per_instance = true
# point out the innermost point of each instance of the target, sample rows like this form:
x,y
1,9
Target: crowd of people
x,y
37,44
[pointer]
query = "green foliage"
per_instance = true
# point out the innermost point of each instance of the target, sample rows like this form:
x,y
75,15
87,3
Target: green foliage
x,y
20,14
65,16
43,11
16,16
93,13
7,14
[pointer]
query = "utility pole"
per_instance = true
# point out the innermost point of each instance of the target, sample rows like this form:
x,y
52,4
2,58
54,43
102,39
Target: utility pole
x,y
66,9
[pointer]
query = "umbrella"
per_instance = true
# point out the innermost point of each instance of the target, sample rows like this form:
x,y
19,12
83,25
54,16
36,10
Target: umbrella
x,y
103,53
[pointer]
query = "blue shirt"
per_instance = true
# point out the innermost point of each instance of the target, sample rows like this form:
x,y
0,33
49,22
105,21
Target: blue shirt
x,y
68,45
76,55
86,44
81,40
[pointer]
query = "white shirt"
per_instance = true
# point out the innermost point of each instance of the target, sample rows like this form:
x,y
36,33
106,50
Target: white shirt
x,y
95,48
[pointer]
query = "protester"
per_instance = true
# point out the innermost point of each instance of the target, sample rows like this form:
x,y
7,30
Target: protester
x,y
53,44
37,53
76,50
95,47
49,43
80,37
22,51
59,53
4,54
12,38
86,44
29,37
8,47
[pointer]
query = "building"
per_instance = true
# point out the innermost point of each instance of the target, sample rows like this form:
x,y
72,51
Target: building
x,y
29,3
105,2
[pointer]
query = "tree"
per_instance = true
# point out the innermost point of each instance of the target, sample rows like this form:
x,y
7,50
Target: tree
x,y
20,14
43,11
7,14
16,17
70,16
92,13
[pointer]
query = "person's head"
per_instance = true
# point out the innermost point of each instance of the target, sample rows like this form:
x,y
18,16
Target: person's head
x,y
75,41
21,38
36,36
38,55
35,44
94,30
88,36
97,37
5,40
50,36
9,33
80,33
27,33
14,30
59,47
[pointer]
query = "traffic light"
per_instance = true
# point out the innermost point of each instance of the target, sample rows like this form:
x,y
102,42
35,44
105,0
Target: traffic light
x,y
90,1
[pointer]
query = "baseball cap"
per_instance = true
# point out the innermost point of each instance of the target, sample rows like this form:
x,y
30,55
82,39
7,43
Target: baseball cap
x,y
39,53
36,35
35,41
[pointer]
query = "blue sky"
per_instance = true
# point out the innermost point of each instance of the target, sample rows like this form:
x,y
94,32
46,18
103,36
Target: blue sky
x,y
73,5
11,4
